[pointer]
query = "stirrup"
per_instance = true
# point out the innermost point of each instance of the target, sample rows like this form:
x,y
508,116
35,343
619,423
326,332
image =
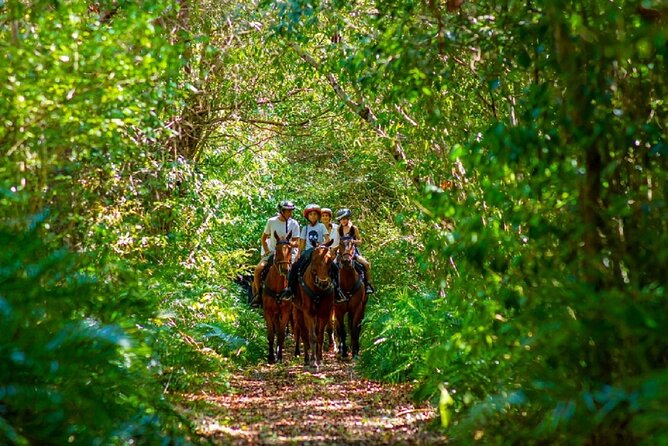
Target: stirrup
x,y
340,297
256,302
369,289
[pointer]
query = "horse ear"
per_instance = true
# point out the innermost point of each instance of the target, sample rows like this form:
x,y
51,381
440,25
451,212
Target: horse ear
x,y
289,236
276,235
329,243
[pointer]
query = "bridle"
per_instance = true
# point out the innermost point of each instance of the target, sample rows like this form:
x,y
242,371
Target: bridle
x,y
323,284
278,263
346,256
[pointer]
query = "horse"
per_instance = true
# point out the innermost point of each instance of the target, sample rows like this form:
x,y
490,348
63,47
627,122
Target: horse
x,y
313,304
354,298
276,309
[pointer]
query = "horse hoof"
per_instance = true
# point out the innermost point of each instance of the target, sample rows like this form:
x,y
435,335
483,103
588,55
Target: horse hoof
x,y
271,360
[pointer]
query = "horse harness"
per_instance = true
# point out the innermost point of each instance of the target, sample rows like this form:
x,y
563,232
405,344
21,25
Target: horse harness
x,y
346,295
314,295
274,263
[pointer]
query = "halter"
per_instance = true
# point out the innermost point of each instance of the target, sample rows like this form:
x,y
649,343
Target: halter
x,y
346,253
323,286
282,262
275,264
348,294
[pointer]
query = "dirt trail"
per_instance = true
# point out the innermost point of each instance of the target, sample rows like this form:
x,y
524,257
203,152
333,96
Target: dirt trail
x,y
287,405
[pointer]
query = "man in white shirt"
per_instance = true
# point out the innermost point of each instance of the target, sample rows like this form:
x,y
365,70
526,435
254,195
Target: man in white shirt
x,y
282,224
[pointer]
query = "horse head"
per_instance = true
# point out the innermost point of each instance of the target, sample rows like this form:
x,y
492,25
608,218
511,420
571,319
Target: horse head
x,y
321,264
347,252
283,254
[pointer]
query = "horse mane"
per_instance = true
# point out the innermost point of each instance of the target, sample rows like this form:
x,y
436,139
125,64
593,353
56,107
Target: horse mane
x,y
351,234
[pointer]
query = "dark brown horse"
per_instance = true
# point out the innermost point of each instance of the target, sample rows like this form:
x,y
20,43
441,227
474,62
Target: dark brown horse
x,y
353,296
276,309
313,304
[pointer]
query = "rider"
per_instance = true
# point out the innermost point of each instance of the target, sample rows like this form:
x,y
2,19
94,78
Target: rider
x,y
313,231
326,219
283,223
347,229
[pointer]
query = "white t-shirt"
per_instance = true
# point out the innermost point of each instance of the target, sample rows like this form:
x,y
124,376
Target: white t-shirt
x,y
334,235
316,232
282,228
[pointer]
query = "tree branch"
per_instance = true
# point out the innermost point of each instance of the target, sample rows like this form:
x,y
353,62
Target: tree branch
x,y
361,109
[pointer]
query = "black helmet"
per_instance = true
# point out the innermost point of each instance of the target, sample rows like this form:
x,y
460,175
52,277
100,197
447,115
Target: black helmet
x,y
343,213
312,208
285,205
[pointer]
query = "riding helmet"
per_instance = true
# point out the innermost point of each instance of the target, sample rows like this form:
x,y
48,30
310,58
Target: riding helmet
x,y
343,213
326,211
312,208
285,205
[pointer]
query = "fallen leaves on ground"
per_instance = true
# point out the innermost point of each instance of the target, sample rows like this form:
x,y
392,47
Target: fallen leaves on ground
x,y
288,404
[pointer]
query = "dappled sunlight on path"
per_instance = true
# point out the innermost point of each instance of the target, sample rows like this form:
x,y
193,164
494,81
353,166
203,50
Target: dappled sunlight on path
x,y
286,404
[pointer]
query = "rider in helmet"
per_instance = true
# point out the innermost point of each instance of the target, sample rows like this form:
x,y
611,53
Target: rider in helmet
x,y
283,223
314,231
347,229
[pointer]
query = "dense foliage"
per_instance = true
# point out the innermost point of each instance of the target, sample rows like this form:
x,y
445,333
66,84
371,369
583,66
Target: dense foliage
x,y
506,163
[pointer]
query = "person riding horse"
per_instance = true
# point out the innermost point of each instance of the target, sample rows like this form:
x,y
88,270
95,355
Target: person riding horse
x,y
332,228
314,231
346,229
283,223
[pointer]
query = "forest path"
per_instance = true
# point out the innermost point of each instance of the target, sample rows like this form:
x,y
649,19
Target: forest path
x,y
285,404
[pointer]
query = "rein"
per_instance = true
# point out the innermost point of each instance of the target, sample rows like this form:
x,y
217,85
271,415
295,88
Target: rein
x,y
276,294
314,295
350,260
348,294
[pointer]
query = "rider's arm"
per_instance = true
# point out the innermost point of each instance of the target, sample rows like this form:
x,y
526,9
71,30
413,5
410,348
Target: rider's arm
x,y
265,246
357,240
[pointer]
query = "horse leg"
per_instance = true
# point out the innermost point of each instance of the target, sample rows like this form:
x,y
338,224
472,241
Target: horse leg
x,y
323,323
297,328
283,317
270,334
330,338
312,348
341,332
332,331
304,331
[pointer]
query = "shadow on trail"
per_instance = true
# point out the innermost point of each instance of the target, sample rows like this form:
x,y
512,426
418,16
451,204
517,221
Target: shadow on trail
x,y
286,405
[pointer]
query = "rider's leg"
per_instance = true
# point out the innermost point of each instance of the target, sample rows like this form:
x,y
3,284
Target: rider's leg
x,y
338,295
257,287
293,275
292,278
367,274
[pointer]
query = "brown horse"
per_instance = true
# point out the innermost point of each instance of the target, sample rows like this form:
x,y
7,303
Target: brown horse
x,y
277,310
313,304
353,295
